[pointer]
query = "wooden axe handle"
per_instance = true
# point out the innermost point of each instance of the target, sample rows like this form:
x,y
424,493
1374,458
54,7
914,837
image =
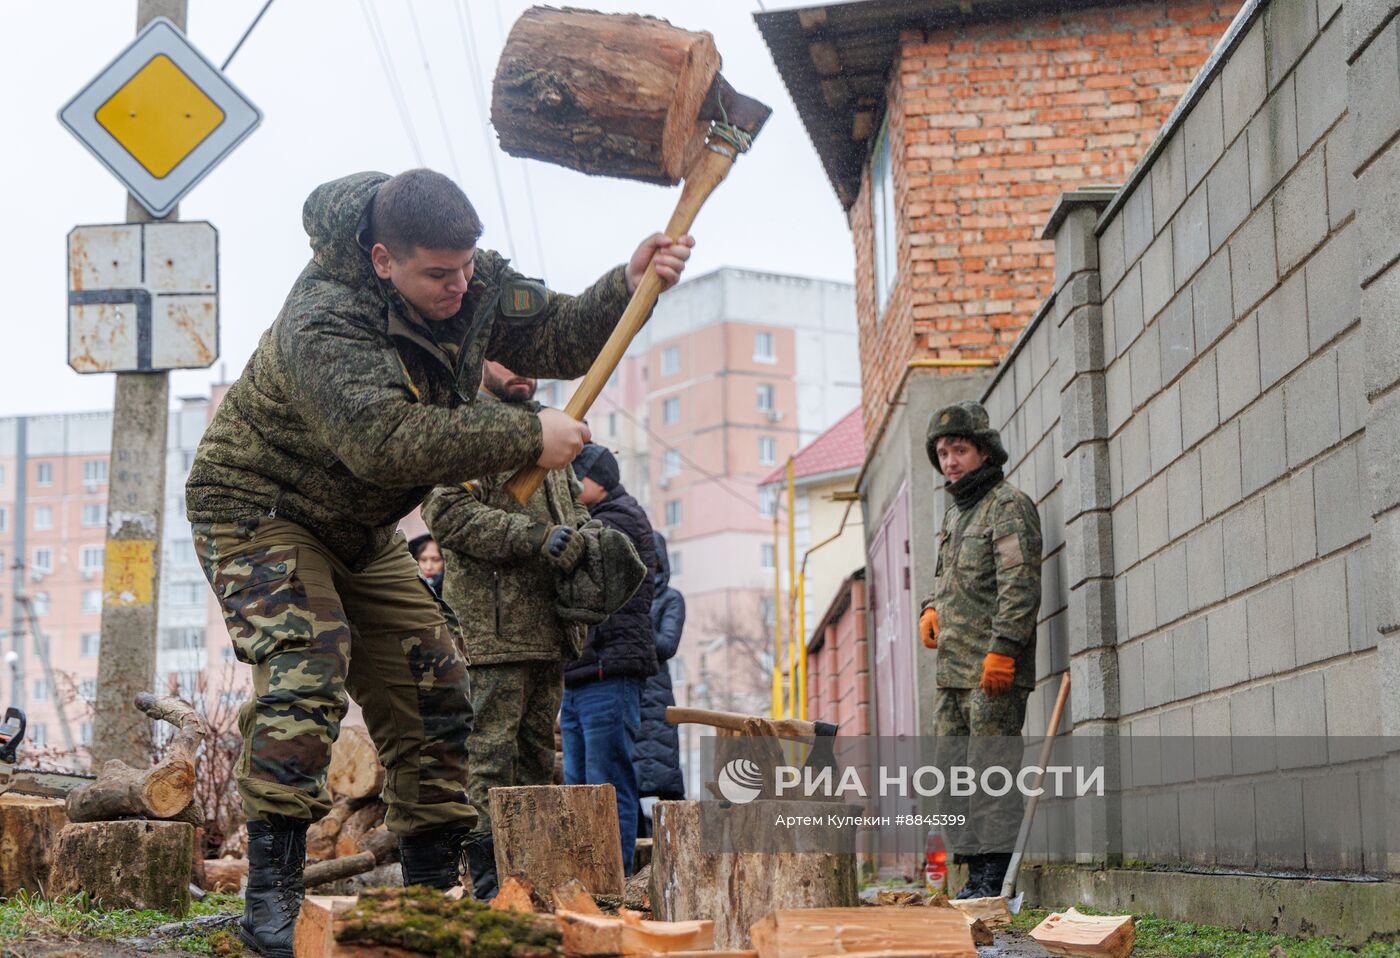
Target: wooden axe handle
x,y
734,722
709,172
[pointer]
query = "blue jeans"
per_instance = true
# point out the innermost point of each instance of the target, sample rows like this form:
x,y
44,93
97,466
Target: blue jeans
x,y
599,723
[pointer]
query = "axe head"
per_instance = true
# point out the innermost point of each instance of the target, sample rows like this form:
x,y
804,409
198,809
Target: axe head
x,y
823,754
724,104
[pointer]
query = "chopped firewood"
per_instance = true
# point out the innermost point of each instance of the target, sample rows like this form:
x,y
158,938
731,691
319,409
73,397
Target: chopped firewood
x,y
163,792
515,895
380,848
587,935
939,900
572,896
981,934
360,822
888,897
355,772
637,892
224,874
992,909
887,932
321,835
29,828
1075,934
411,923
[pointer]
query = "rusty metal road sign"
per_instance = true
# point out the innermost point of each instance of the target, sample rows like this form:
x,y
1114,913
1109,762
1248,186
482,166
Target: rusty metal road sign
x,y
160,116
143,297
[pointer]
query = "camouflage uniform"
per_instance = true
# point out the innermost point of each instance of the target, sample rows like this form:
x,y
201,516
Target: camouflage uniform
x,y
987,593
503,590
348,412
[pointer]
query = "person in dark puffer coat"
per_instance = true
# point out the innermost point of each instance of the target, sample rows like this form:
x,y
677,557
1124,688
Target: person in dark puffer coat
x,y
658,762
601,715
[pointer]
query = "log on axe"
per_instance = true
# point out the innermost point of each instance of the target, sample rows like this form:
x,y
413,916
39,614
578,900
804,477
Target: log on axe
x,y
620,95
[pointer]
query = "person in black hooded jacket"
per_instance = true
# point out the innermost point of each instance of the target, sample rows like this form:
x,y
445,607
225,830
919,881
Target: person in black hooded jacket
x,y
658,746
601,714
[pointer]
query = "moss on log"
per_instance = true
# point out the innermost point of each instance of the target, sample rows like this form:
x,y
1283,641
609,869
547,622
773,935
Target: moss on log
x,y
423,920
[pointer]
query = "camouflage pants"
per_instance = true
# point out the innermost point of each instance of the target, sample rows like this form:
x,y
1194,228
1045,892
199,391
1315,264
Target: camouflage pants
x,y
512,742
313,630
981,731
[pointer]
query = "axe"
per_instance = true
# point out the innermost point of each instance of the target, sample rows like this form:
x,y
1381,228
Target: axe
x,y
820,735
619,95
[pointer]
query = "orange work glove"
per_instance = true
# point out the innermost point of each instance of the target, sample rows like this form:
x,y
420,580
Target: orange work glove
x,y
928,628
998,672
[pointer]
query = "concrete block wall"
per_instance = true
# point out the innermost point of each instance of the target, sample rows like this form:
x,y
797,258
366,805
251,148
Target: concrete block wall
x,y
1230,354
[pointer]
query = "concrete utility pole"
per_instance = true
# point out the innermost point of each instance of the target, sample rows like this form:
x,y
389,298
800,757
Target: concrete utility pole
x,y
126,661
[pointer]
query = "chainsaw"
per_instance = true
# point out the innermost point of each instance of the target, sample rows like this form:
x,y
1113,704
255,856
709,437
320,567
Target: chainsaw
x,y
28,781
11,734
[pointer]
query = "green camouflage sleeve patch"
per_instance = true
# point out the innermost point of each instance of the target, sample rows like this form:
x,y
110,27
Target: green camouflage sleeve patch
x,y
523,298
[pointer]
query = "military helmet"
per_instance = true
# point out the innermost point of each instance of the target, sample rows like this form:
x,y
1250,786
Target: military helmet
x,y
967,418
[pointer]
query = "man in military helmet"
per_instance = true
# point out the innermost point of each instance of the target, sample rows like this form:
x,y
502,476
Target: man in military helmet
x,y
981,617
357,401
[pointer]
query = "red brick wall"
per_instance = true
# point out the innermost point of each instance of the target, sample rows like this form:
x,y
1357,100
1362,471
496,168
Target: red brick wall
x,y
838,677
989,125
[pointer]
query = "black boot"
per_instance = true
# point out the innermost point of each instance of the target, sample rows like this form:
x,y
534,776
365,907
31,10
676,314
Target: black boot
x,y
994,868
481,862
276,856
974,877
434,857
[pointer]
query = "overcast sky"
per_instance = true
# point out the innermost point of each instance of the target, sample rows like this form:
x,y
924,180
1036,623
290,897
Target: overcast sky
x,y
311,66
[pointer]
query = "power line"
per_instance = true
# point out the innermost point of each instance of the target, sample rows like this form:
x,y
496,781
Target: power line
x,y
239,45
381,47
467,31
433,90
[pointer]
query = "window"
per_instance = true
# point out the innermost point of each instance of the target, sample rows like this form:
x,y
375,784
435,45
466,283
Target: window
x,y
765,397
676,666
674,558
768,503
671,462
4,519
41,690
182,639
670,360
95,471
763,348
40,601
92,601
673,513
43,474
87,688
94,515
766,553
43,560
882,220
767,608
671,410
85,733
612,424
89,643
43,517
185,593
187,460
91,558
182,550
39,735
767,451
2,475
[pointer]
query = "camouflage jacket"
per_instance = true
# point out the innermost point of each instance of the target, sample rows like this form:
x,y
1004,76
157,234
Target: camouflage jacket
x,y
496,581
350,410
987,587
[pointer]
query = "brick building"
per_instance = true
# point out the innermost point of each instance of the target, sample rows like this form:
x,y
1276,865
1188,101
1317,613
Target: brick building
x,y
947,130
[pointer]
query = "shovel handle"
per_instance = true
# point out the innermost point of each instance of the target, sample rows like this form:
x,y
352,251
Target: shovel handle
x,y
709,171
1008,884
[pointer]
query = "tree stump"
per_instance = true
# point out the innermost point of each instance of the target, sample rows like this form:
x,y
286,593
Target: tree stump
x,y
692,880
548,834
131,864
606,94
29,829
355,771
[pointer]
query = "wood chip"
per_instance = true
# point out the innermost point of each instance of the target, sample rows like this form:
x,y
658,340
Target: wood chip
x,y
1074,934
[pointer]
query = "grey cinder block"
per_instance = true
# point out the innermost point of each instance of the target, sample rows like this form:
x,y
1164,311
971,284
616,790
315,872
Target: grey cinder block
x,y
1176,335
1158,675
1322,86
1262,454
1273,142
1172,587
1291,26
1244,81
1300,211
1378,197
1169,178
1334,288
1320,611
1228,184
1212,304
1152,516
1271,625
1341,182
1344,512
1184,495
1191,236
1125,537
1137,221
1145,366
1283,331
1158,283
1127,309
1228,639
1205,565
1313,413
1279,822
1200,406
1164,427
1142,600
1253,265
1221,485
1278,529
1375,95
1190,659
1245,547
1204,135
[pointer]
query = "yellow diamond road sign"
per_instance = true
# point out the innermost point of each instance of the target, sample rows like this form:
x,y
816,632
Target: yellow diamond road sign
x,y
160,116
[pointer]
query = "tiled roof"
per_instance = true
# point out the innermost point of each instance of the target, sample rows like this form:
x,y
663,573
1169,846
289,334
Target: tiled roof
x,y
840,448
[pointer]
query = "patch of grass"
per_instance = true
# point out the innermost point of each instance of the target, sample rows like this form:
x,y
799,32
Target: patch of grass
x,y
1168,937
73,917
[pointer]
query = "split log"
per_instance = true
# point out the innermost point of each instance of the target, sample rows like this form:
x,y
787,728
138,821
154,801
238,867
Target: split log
x,y
514,895
398,922
572,896
605,94
888,932
165,791
359,824
981,934
29,828
590,935
691,878
548,834
993,909
380,847
355,772
321,836
898,898
131,864
224,874
1077,935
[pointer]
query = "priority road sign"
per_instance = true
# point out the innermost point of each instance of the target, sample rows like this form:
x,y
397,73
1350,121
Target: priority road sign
x,y
160,116
143,297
